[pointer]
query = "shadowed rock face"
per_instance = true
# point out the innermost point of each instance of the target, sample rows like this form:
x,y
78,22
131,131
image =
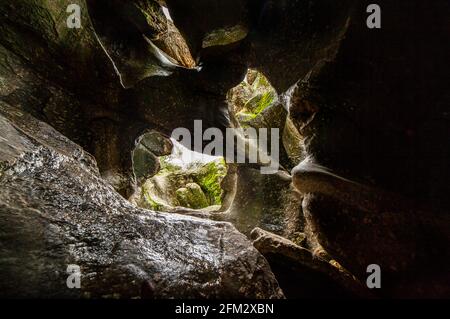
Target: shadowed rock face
x,y
303,274
56,210
64,77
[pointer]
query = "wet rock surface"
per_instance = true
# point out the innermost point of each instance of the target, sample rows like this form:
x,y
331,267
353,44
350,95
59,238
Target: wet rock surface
x,y
56,210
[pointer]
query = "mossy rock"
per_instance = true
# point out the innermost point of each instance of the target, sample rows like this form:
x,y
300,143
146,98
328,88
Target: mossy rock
x,y
260,102
157,143
192,196
167,167
151,203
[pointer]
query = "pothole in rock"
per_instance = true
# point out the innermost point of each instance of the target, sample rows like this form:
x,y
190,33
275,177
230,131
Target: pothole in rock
x,y
182,179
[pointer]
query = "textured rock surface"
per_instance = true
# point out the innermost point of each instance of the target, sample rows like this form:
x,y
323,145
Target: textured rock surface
x,y
63,77
370,108
145,155
169,188
265,201
130,32
56,210
220,15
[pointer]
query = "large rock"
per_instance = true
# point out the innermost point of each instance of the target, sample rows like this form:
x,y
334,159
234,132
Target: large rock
x,y
367,113
145,156
56,210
